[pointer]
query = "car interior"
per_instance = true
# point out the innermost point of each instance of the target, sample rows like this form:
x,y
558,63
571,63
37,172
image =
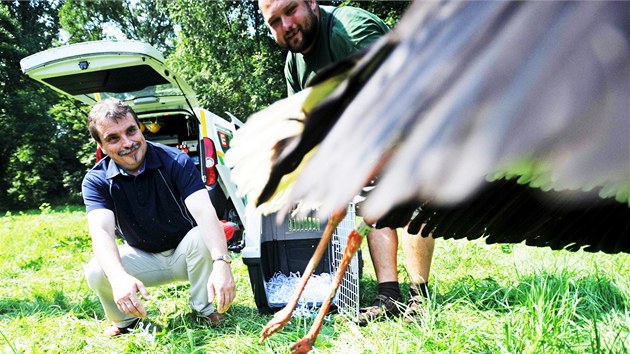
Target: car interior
x,y
176,129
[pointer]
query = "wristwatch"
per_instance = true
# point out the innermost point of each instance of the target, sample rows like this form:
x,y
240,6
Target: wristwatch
x,y
225,258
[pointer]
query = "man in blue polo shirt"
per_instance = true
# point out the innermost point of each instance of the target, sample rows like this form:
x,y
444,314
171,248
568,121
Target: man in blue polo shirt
x,y
154,198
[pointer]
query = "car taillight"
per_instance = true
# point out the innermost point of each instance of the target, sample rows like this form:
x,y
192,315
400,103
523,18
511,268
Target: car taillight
x,y
99,154
210,156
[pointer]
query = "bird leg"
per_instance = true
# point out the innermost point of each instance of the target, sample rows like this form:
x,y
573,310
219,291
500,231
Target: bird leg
x,y
354,243
282,317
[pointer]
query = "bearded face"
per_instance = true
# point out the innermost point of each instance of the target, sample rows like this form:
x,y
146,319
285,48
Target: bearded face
x,y
293,23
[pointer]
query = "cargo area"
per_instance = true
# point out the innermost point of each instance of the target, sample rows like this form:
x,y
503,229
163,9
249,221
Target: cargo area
x,y
176,130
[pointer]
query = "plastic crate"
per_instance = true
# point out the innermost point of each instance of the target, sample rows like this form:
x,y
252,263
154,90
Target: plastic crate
x,y
347,297
286,248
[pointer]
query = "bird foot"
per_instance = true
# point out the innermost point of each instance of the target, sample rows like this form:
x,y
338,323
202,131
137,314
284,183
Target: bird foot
x,y
304,346
279,320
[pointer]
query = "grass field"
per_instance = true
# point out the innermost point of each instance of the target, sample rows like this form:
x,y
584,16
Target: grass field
x,y
485,299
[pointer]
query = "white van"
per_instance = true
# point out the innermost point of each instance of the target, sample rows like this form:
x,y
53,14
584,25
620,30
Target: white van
x,y
135,73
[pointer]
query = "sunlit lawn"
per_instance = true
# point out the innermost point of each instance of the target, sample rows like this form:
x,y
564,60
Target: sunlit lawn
x,y
485,299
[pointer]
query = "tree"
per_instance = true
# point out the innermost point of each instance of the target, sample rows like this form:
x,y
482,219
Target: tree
x,y
29,151
143,20
388,11
9,52
225,52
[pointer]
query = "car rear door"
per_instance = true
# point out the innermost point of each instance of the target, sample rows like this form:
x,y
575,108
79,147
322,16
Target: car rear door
x,y
131,71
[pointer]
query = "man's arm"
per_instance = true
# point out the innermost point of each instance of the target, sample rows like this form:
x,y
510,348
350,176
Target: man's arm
x,y
221,283
124,286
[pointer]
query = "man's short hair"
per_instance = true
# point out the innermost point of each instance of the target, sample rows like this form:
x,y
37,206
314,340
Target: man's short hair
x,y
110,108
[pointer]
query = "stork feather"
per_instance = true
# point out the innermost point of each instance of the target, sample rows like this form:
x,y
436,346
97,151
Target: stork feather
x,y
463,93
478,89
504,120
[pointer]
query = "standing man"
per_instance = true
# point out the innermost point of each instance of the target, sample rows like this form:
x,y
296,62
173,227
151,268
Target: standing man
x,y
317,36
154,198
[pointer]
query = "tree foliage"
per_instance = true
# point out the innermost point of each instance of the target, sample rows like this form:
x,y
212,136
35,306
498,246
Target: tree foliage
x,y
221,48
143,20
388,11
225,52
29,151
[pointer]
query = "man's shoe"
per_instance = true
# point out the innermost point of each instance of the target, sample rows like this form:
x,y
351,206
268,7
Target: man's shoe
x,y
138,324
113,330
214,319
383,307
415,309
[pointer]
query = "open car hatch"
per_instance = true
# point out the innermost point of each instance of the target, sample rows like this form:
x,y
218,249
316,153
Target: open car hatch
x,y
131,71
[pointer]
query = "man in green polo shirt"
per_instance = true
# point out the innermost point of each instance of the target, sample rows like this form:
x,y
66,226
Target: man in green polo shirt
x,y
341,32
317,36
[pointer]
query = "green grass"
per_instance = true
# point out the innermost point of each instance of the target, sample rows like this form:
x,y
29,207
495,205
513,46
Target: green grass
x,y
485,299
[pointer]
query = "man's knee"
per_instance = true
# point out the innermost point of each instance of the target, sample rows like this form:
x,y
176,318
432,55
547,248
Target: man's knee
x,y
94,274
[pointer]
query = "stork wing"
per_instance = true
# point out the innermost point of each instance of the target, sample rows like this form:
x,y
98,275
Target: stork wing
x,y
475,89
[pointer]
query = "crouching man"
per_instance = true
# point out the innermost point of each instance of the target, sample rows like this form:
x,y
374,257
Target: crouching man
x,y
153,196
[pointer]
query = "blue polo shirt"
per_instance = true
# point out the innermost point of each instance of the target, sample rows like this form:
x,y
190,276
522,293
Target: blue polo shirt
x,y
150,211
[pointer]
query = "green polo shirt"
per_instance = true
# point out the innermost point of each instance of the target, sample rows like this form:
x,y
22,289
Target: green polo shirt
x,y
351,30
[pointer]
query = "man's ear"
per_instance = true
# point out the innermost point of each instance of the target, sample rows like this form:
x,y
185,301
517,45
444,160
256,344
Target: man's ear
x,y
314,7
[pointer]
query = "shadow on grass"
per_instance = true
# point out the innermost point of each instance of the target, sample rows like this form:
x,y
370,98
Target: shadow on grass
x,y
368,290
594,295
245,317
244,321
47,209
54,303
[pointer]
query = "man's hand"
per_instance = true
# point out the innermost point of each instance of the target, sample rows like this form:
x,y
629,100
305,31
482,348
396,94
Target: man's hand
x,y
221,286
125,289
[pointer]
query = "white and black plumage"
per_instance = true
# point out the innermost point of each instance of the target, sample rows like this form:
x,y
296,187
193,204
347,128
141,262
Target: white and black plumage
x,y
508,120
476,88
469,91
